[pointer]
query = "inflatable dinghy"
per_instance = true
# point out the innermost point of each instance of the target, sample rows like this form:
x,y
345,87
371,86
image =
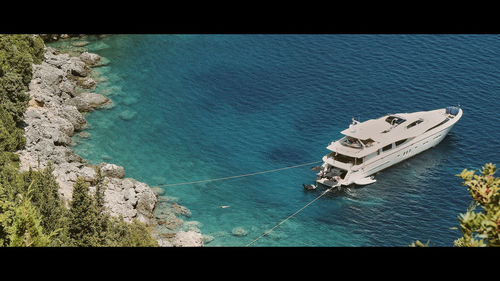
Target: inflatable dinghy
x,y
365,181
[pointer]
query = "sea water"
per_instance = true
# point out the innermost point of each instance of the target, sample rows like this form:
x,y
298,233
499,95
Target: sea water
x,y
194,107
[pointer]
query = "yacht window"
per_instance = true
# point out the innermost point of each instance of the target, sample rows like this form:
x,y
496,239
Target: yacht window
x,y
367,142
398,143
344,158
387,147
394,120
351,142
445,120
413,124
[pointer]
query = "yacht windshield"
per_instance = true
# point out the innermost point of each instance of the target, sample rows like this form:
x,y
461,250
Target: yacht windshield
x,y
345,159
394,120
351,142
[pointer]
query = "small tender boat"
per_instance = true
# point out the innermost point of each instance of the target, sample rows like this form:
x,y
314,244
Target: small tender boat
x,y
309,186
376,144
365,181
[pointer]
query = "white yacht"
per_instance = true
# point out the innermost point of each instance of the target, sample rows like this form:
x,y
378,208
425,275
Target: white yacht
x,y
373,145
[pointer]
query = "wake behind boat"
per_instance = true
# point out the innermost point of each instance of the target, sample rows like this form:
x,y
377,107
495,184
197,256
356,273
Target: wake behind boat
x,y
373,145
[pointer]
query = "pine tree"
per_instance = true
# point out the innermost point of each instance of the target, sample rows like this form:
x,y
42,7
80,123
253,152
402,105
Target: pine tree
x,y
6,214
134,234
83,217
103,218
26,230
45,198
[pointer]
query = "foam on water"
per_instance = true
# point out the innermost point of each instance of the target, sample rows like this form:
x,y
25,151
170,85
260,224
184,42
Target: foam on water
x,y
194,107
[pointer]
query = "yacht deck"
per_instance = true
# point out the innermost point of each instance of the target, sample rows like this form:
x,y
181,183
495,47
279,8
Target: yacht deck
x,y
376,133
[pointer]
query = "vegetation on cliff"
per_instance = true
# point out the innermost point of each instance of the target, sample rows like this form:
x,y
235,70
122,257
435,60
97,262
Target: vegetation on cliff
x,y
31,210
481,226
17,54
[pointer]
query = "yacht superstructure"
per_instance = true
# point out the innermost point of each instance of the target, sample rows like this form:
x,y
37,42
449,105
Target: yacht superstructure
x,y
373,145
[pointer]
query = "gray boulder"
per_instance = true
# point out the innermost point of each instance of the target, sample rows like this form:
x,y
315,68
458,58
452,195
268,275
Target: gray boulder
x,y
146,202
86,102
75,67
93,99
73,115
87,83
80,104
67,86
112,170
49,75
90,58
52,57
188,239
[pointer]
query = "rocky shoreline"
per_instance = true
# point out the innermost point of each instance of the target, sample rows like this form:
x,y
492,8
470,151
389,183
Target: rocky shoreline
x,y
60,95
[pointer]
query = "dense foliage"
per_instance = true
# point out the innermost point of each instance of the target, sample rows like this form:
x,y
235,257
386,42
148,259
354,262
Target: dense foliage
x,y
481,227
31,210
17,54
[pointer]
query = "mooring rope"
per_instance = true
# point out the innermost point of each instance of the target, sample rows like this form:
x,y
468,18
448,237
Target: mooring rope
x,y
253,174
289,217
238,176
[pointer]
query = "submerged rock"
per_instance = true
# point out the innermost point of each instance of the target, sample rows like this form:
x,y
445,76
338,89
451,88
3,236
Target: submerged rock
x,y
207,239
80,44
127,115
180,210
158,190
239,231
84,135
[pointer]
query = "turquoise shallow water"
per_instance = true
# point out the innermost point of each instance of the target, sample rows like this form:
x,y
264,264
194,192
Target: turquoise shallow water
x,y
194,107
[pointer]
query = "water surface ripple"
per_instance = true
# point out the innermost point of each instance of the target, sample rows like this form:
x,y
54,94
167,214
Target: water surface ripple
x,y
193,107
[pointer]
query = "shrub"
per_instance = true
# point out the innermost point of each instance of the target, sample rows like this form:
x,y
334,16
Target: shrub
x,y
482,227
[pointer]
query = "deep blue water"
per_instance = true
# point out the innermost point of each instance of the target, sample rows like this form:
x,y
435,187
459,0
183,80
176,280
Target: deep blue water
x,y
194,107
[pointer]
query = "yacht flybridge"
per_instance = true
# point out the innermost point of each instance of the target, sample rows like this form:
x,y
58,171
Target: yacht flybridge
x,y
373,145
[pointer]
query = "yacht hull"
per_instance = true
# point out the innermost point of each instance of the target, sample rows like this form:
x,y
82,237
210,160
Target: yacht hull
x,y
398,154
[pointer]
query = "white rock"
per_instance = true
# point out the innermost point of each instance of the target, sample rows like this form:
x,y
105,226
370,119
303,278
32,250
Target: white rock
x,y
112,170
90,58
188,239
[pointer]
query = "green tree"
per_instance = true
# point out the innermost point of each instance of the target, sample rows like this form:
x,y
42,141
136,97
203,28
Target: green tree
x,y
83,217
26,230
134,234
45,198
103,218
6,214
11,137
13,96
18,52
10,178
482,227
31,211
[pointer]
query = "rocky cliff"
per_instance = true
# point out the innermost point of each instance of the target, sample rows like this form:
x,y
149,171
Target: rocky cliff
x,y
61,92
